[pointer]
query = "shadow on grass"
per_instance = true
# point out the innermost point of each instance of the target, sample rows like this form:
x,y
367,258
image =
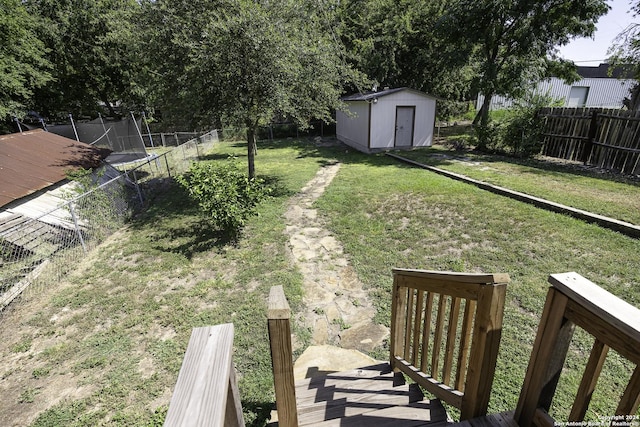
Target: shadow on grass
x,y
174,222
538,166
260,410
328,150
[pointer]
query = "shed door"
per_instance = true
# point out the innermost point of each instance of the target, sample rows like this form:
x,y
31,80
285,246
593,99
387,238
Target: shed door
x,y
404,126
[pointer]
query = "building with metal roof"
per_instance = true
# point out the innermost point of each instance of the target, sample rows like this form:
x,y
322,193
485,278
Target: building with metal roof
x,y
36,160
601,87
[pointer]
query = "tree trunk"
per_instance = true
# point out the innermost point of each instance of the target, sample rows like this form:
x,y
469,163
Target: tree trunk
x,y
483,118
251,151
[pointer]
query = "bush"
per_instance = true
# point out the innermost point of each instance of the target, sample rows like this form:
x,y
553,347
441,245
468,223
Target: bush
x,y
226,196
518,130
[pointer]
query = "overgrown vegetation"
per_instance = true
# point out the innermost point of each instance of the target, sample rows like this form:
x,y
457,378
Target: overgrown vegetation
x,y
226,196
517,130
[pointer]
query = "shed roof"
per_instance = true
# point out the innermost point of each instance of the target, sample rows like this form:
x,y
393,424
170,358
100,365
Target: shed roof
x,y
367,96
34,160
602,72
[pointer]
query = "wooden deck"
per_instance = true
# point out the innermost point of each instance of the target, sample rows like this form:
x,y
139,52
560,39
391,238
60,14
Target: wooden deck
x,y
376,396
369,396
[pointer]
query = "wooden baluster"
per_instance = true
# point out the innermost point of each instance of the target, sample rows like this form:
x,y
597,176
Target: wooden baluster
x,y
437,338
408,329
452,334
589,380
416,328
465,343
631,398
426,332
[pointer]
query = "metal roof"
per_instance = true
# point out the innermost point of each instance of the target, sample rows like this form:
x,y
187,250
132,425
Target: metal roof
x,y
34,160
605,71
368,96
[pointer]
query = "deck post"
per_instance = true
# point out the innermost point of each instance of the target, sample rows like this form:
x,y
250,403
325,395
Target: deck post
x,y
206,393
487,332
279,315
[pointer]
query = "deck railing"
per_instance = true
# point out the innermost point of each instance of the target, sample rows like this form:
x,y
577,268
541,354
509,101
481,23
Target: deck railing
x,y
282,357
206,392
573,301
454,358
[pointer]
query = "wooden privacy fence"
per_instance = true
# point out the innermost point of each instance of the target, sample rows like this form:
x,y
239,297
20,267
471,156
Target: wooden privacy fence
x,y
606,138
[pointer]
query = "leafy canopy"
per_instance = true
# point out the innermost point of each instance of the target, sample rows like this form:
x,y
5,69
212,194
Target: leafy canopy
x,y
258,60
514,41
23,66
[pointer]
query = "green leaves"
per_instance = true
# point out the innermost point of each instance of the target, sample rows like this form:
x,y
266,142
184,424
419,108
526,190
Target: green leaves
x,y
23,66
225,195
97,59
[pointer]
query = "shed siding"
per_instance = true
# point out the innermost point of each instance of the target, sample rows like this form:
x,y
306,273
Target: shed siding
x,y
604,93
383,117
354,130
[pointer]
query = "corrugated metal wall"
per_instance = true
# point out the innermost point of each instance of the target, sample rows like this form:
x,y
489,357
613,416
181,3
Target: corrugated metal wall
x,y
604,93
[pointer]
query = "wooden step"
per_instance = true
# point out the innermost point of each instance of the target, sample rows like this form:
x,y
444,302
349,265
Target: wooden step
x,y
11,221
368,396
503,419
30,234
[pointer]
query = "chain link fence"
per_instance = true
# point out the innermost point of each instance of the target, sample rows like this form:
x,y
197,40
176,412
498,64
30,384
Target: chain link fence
x,y
35,252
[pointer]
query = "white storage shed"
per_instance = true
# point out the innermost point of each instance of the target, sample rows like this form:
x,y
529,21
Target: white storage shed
x,y
398,118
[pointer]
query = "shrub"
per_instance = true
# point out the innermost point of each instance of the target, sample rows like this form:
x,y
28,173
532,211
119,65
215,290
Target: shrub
x,y
226,196
517,130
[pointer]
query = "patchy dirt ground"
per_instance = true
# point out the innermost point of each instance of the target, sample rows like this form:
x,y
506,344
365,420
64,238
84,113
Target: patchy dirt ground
x,y
41,367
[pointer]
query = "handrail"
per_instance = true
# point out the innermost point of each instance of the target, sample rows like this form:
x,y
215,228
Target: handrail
x,y
279,315
421,296
573,301
206,393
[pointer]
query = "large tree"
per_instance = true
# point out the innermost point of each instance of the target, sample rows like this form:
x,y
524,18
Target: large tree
x,y
95,53
257,60
625,53
403,43
516,40
173,30
23,66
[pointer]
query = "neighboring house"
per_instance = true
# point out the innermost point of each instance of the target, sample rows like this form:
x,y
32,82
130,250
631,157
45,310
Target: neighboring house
x,y
596,89
33,168
388,119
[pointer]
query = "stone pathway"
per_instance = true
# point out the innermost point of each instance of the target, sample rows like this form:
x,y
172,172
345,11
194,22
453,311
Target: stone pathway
x,y
337,308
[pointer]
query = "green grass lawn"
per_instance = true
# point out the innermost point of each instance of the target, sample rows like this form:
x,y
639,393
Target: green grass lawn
x,y
583,188
107,343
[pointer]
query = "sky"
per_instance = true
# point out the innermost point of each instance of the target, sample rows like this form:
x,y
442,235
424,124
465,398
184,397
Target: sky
x,y
589,52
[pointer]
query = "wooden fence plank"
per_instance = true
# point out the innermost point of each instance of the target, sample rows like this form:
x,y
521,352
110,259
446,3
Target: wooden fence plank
x,y
568,133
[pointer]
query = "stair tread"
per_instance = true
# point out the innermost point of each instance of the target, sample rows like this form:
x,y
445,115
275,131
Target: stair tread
x,y
371,395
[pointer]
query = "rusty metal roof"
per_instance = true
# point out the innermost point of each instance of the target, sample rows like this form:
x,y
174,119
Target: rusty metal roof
x,y
34,160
